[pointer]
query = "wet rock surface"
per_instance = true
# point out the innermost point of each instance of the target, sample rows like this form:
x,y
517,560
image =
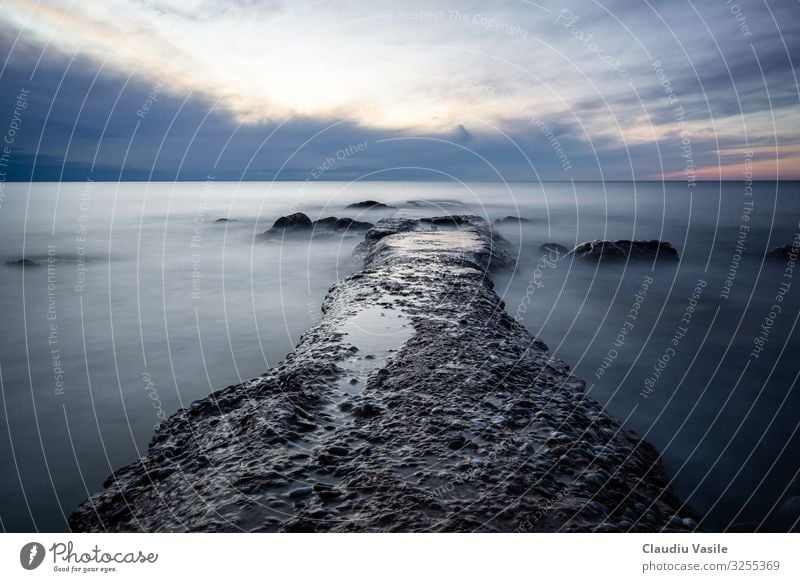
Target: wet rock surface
x,y
337,224
299,224
415,404
624,250
290,225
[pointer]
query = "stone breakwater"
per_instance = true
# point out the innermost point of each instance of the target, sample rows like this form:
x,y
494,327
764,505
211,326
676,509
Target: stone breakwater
x,y
415,404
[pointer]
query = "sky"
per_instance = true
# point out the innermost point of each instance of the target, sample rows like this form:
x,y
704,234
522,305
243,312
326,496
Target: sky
x,y
374,90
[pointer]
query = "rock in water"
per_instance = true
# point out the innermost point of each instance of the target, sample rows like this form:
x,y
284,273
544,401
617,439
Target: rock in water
x,y
22,263
369,205
341,224
512,220
622,250
461,421
299,223
783,253
289,226
298,220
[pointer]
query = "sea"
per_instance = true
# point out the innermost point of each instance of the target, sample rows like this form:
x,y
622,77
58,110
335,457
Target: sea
x,y
124,302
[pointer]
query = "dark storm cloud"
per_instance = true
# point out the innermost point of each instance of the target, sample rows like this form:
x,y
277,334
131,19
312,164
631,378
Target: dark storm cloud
x,y
84,121
88,119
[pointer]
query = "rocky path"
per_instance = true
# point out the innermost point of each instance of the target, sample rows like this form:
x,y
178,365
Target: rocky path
x,y
415,404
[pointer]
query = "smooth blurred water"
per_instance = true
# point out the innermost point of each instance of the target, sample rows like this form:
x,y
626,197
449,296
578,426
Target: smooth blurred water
x,y
171,305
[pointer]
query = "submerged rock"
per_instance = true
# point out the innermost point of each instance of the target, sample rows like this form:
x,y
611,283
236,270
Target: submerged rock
x,y
369,205
622,250
22,263
38,261
783,253
435,203
508,220
461,421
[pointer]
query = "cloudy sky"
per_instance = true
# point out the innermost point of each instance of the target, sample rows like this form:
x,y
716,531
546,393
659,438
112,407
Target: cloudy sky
x,y
247,89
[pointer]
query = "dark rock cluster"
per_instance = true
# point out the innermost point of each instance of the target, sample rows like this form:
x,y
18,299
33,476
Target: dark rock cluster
x,y
300,224
415,404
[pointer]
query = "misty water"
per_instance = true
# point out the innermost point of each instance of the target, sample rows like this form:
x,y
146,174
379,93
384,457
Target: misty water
x,y
137,302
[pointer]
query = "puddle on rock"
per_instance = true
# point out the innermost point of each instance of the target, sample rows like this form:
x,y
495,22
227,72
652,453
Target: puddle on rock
x,y
373,333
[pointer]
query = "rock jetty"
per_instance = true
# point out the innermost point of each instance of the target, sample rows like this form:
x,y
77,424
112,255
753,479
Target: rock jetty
x,y
416,404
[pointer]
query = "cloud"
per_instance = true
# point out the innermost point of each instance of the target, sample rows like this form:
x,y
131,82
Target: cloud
x,y
463,72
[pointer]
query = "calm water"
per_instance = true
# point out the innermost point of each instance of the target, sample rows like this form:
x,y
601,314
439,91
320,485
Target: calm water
x,y
141,303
